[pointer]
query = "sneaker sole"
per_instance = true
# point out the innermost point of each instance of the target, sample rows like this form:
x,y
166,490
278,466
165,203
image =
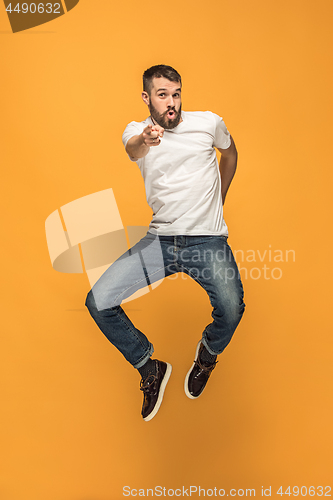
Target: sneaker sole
x,y
187,392
161,393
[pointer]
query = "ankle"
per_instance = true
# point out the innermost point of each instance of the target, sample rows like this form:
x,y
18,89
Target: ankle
x,y
206,357
148,368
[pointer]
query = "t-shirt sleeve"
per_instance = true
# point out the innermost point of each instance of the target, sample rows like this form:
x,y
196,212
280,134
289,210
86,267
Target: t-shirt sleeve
x,y
222,136
132,129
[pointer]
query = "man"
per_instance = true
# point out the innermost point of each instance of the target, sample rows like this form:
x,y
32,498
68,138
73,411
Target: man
x,y
175,151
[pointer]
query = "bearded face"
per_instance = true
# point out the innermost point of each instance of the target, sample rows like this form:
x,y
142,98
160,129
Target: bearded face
x,y
164,102
169,119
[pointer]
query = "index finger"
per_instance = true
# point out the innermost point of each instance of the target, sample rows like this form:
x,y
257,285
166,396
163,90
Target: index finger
x,y
148,129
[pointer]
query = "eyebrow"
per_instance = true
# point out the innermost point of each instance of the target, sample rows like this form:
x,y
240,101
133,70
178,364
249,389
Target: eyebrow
x,y
177,90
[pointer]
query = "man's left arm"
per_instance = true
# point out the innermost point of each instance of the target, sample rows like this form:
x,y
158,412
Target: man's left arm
x,y
228,164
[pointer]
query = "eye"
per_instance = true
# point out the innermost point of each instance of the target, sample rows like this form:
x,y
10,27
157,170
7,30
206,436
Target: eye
x,y
161,95
177,94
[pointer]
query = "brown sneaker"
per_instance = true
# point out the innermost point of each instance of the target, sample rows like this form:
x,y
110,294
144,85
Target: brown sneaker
x,y
198,375
153,388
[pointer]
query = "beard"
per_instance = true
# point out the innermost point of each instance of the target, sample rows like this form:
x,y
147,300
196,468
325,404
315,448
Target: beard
x,y
162,120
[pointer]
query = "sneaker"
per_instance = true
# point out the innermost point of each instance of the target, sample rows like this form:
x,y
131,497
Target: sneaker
x,y
198,375
153,388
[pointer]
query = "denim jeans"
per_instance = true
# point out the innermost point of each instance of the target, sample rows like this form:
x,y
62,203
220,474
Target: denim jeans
x,y
206,259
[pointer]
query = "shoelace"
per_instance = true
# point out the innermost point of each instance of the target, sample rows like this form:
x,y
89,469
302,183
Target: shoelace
x,y
205,368
149,383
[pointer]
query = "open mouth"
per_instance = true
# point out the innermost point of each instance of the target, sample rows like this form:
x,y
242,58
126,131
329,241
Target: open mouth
x,y
171,114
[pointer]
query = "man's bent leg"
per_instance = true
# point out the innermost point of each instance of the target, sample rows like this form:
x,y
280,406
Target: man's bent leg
x,y
226,295
217,272
215,269
125,276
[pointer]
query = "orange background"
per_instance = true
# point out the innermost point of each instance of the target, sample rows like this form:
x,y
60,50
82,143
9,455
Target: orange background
x,y
70,421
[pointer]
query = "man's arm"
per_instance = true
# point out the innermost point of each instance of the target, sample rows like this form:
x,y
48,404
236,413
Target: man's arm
x,y
139,145
228,164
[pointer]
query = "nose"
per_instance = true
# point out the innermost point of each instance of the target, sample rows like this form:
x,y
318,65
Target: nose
x,y
171,101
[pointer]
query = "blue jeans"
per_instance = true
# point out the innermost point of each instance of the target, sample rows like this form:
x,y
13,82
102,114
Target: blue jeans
x,y
207,259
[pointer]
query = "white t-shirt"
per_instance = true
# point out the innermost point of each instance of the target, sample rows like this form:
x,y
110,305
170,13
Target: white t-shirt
x,y
182,177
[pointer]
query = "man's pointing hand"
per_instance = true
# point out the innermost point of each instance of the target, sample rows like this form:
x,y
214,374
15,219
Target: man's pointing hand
x,y
152,135
138,145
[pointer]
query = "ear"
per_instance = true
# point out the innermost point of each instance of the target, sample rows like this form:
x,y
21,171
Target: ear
x,y
145,98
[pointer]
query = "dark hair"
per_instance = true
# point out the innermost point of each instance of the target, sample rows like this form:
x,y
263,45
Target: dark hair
x,y
159,71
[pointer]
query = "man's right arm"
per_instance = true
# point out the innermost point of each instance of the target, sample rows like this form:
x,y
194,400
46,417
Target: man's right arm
x,y
139,145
